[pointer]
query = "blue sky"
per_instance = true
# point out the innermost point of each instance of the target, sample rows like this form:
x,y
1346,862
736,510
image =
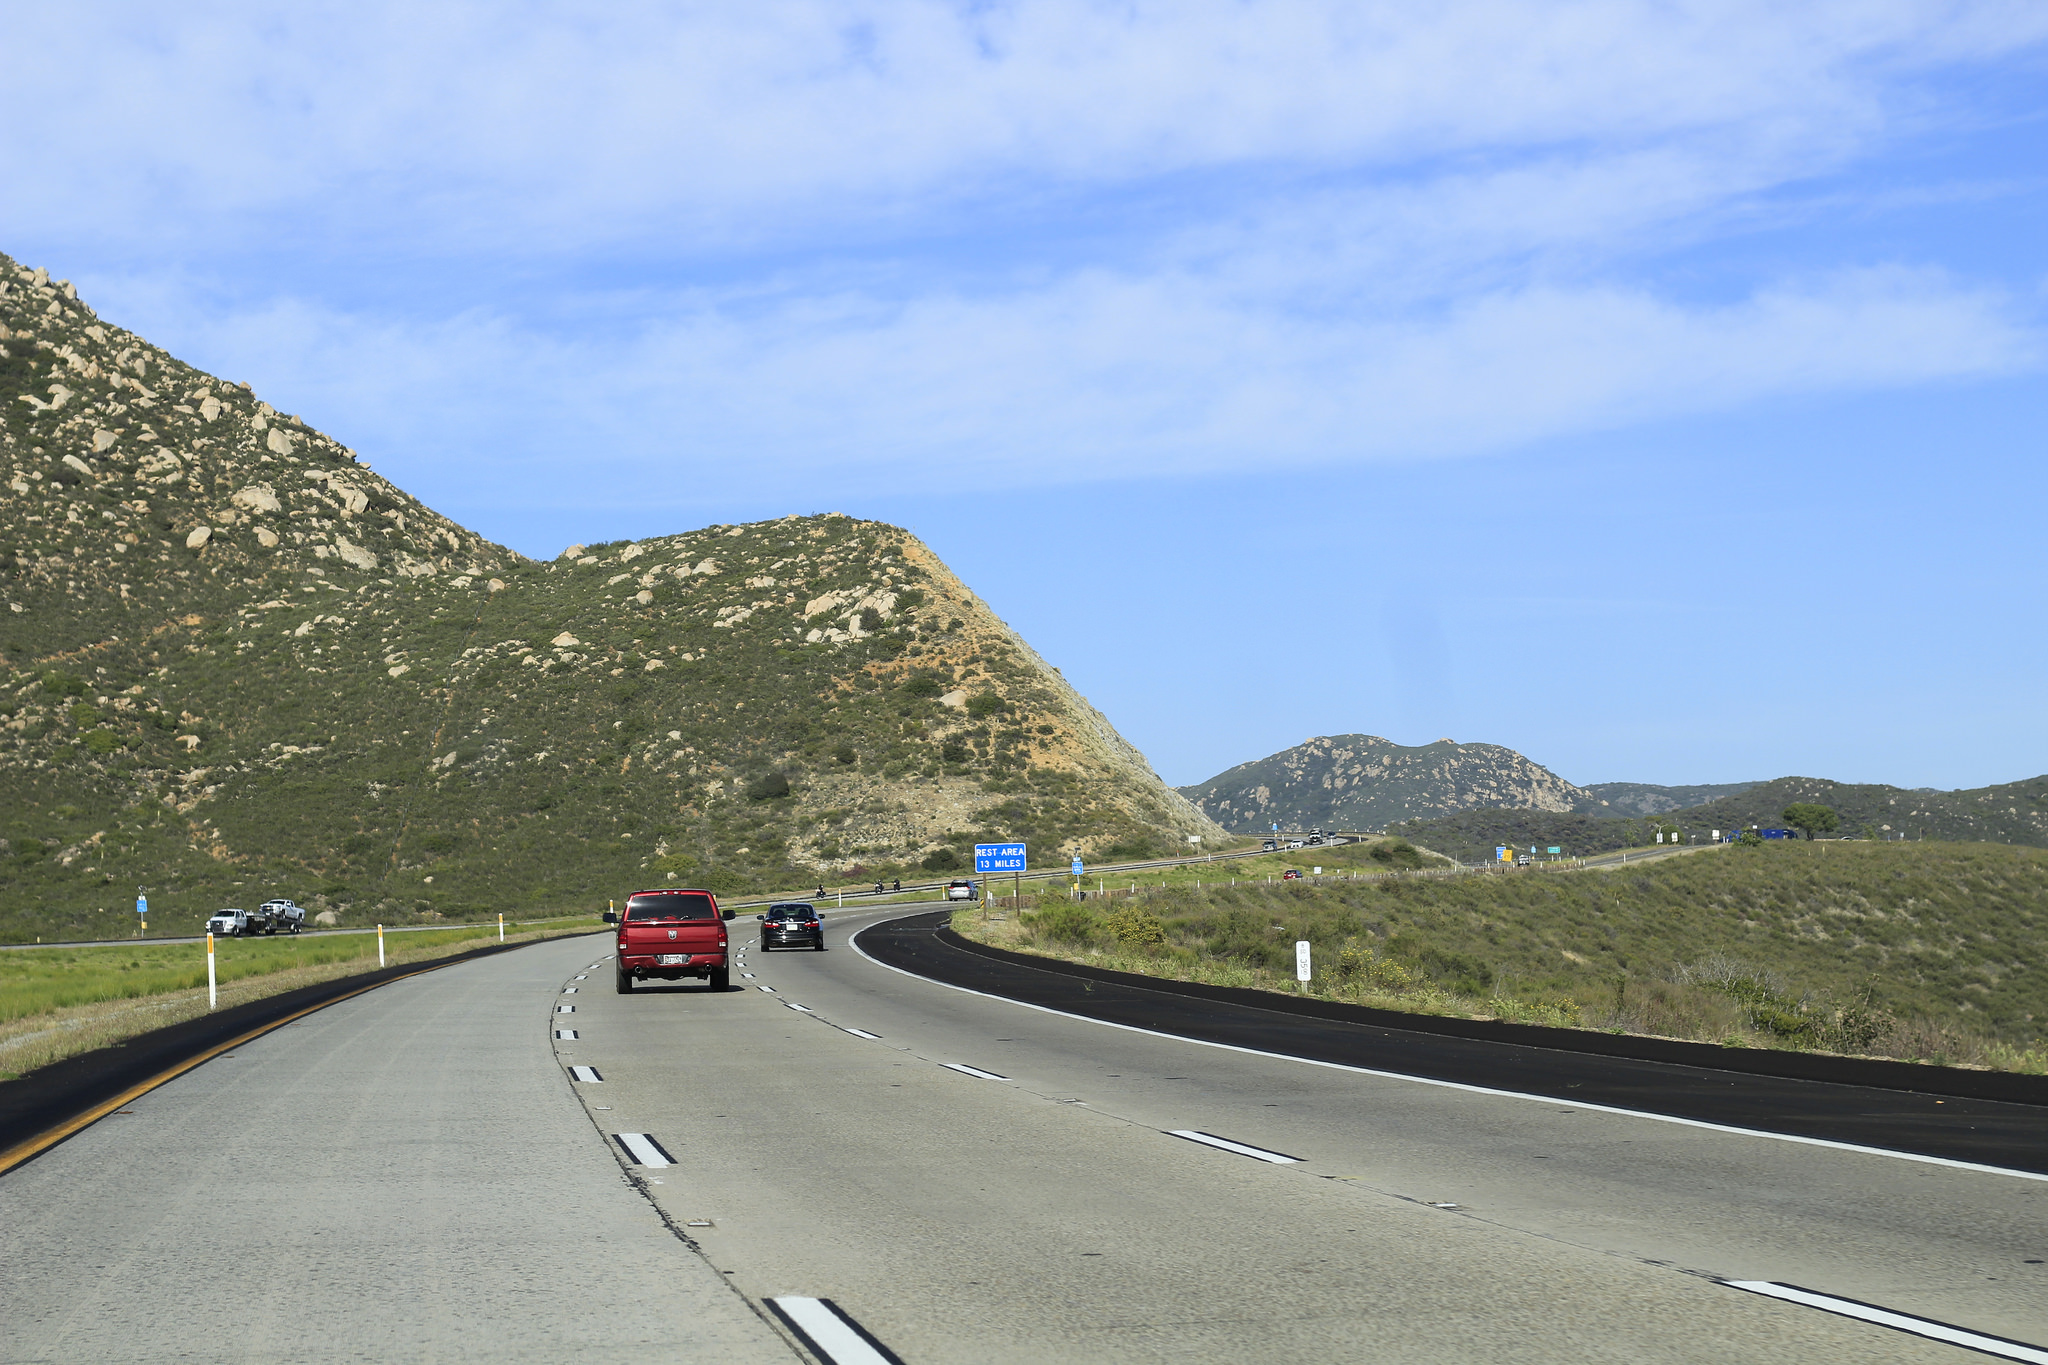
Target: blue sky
x,y
1655,388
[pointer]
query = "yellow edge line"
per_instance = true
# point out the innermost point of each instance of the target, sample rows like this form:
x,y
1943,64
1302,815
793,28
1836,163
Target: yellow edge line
x,y
43,1141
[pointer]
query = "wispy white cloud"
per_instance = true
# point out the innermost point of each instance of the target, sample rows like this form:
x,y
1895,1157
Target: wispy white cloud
x,y
693,247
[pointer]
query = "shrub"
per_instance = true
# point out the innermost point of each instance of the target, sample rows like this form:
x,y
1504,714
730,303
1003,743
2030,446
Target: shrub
x,y
982,705
1063,920
1134,926
845,754
944,860
103,741
923,685
953,751
675,864
63,685
870,620
770,787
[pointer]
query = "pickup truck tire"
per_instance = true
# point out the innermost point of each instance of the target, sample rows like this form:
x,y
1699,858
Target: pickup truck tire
x,y
624,981
721,978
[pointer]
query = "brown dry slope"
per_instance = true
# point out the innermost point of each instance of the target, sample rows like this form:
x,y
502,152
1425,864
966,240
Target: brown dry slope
x,y
234,661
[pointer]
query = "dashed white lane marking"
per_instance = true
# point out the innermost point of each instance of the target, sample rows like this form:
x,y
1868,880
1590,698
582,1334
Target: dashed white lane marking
x,y
568,990
974,1071
805,1008
1225,1144
831,1332
2002,1347
580,978
644,1150
565,1009
566,1034
1949,1162
863,1033
584,1073
748,975
769,989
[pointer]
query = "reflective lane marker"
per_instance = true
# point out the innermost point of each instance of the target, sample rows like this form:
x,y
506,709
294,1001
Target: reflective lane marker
x,y
566,1034
805,1008
584,1073
565,1009
1552,1100
769,989
974,1071
863,1033
831,1333
644,1150
2002,1347
1225,1144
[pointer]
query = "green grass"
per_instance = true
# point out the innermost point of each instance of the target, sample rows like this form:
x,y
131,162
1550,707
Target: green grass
x,y
1930,951
37,981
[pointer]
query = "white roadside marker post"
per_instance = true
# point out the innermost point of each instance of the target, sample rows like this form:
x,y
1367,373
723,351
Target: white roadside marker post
x,y
380,945
501,928
1301,962
212,991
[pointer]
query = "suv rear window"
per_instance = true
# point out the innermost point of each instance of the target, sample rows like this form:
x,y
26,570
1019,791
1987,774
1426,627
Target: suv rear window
x,y
671,905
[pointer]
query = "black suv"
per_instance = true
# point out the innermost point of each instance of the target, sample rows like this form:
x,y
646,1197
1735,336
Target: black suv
x,y
791,923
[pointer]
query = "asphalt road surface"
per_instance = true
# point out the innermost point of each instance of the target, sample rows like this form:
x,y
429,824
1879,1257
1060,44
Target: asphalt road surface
x,y
419,1174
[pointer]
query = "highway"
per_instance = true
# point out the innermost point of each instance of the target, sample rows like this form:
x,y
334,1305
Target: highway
x,y
418,1174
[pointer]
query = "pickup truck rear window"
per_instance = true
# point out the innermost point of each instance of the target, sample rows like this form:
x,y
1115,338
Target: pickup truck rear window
x,y
678,905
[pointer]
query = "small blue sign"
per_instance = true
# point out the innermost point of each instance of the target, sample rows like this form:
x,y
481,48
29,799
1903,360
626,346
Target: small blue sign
x,y
999,857
142,905
1077,867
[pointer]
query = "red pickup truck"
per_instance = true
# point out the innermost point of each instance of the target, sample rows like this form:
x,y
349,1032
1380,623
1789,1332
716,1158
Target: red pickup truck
x,y
671,934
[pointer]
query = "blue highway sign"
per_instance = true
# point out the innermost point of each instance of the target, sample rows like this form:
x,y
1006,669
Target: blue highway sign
x,y
999,857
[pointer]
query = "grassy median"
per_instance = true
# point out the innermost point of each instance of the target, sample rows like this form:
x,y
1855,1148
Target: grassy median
x,y
57,1002
1922,952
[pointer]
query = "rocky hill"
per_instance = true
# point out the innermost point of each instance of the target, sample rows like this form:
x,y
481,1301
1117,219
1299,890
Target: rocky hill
x,y
236,662
1623,799
1365,782
2008,813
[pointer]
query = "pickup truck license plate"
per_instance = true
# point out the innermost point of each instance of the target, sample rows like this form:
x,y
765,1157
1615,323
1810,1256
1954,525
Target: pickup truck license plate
x,y
672,960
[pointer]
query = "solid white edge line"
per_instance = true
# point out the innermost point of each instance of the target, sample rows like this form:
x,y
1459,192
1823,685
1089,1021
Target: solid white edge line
x,y
1949,1162
973,1071
644,1150
1900,1322
828,1331
863,1033
1225,1144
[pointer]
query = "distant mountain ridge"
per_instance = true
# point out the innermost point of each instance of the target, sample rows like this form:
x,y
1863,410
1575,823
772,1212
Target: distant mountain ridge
x,y
1643,798
1366,782
2008,813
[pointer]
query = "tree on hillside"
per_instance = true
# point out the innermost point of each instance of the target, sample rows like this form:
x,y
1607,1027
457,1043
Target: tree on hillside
x,y
1810,819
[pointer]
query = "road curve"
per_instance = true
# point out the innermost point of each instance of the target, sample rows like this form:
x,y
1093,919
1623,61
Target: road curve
x,y
402,1176
423,1173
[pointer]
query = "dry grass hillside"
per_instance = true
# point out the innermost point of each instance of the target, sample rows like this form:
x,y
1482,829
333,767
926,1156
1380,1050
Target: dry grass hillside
x,y
235,662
